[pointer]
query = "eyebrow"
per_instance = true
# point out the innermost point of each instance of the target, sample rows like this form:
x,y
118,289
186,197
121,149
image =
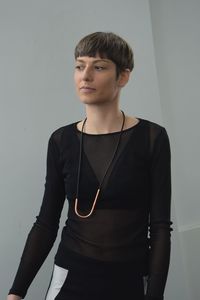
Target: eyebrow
x,y
95,61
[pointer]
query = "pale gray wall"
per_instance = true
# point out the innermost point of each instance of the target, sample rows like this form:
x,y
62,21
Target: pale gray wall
x,y
37,96
176,33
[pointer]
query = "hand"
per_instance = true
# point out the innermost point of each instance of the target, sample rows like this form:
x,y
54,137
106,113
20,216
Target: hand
x,y
13,297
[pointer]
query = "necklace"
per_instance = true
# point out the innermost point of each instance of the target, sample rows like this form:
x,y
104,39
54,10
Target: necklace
x,y
79,168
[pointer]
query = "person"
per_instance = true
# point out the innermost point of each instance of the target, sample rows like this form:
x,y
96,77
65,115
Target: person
x,y
114,171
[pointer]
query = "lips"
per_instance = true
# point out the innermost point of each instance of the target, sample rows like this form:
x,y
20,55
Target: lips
x,y
87,89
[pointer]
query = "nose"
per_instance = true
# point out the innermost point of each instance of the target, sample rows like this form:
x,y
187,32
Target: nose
x,y
87,74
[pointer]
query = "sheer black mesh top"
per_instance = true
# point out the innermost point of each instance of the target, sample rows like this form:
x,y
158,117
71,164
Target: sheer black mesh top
x,y
102,236
130,226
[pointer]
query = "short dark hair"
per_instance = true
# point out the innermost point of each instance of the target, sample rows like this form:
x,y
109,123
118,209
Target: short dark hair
x,y
107,45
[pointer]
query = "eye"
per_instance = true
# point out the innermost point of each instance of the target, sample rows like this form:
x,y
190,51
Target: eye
x,y
79,67
99,68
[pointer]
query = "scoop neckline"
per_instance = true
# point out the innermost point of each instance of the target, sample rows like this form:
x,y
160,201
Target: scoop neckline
x,y
109,133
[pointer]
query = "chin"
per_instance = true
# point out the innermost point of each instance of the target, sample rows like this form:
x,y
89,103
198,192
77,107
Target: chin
x,y
90,101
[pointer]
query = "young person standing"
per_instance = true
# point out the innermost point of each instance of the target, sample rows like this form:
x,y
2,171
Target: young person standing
x,y
114,171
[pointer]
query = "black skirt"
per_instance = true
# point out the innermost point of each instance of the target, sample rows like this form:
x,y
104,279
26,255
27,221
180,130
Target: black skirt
x,y
106,285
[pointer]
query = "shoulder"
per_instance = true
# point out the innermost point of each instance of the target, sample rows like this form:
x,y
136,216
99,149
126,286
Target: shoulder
x,y
154,129
156,134
63,132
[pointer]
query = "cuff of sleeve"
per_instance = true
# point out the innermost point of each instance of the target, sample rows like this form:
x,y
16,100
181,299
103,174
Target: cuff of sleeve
x,y
17,293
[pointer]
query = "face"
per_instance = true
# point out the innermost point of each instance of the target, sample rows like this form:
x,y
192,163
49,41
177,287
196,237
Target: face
x,y
95,80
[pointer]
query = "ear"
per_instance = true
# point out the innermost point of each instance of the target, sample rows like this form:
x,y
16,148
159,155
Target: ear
x,y
123,77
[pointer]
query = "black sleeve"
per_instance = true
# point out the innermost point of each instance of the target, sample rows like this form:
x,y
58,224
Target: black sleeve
x,y
160,222
44,231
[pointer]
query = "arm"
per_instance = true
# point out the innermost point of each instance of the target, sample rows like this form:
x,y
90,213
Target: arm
x,y
160,245
44,231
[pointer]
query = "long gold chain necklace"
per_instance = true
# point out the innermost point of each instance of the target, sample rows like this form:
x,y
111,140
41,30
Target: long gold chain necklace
x,y
79,169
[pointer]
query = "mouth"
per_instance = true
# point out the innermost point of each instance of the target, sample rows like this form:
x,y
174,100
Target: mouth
x,y
87,89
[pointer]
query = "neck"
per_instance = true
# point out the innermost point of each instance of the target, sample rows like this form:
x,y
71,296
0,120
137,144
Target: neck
x,y
103,120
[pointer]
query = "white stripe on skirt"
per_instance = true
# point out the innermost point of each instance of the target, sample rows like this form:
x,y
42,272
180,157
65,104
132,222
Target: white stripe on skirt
x,y
57,281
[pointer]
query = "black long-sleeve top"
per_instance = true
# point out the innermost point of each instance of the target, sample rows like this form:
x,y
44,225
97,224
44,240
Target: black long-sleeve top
x,y
130,226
